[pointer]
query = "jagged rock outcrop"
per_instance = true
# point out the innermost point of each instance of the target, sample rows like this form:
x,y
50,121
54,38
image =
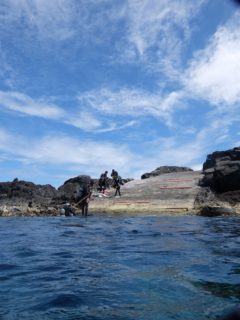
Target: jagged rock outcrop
x,y
20,192
220,192
163,170
222,171
19,198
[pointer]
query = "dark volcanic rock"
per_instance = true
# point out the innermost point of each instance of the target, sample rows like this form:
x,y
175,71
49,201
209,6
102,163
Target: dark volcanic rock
x,y
163,170
222,171
18,192
216,211
69,190
233,197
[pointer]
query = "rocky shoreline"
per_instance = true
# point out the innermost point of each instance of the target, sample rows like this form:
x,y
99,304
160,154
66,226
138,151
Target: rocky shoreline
x,y
167,190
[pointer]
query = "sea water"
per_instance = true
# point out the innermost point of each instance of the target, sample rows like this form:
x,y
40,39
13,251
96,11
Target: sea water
x,y
105,267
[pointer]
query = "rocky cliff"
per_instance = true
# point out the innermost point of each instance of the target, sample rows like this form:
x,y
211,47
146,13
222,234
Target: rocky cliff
x,y
222,171
220,185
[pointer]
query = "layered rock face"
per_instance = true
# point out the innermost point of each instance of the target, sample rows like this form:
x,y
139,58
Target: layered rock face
x,y
222,171
163,170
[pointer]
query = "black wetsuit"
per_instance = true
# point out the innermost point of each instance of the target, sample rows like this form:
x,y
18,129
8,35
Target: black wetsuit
x,y
103,182
84,199
117,186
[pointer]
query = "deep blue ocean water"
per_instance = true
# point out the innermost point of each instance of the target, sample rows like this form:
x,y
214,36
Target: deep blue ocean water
x,y
105,267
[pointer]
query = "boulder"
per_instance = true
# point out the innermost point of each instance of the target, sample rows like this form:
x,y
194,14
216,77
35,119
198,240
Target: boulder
x,y
163,170
222,171
69,190
208,211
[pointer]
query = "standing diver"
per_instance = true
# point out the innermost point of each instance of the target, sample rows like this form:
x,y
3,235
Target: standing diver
x,y
117,181
103,182
83,198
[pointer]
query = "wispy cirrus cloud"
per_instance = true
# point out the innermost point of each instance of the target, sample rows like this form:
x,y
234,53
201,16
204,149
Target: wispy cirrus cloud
x,y
61,20
85,121
79,117
132,102
156,32
151,23
7,72
147,31
22,103
113,126
47,19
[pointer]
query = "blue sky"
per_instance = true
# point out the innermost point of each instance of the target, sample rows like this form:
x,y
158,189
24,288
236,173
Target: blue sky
x,y
91,85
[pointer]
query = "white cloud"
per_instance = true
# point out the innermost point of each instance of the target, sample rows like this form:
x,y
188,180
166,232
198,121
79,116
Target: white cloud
x,y
87,156
214,74
63,150
132,102
85,121
148,20
4,138
176,150
113,126
172,152
19,102
90,157
150,32
49,19
23,104
82,119
7,73
156,32
61,20
145,25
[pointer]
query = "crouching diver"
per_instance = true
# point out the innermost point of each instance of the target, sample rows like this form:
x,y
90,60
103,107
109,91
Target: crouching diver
x,y
67,210
83,198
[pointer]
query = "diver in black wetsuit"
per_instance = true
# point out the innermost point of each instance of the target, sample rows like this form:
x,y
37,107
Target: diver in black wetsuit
x,y
83,198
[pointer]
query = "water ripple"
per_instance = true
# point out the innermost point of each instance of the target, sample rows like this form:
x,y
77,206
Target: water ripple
x,y
119,268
